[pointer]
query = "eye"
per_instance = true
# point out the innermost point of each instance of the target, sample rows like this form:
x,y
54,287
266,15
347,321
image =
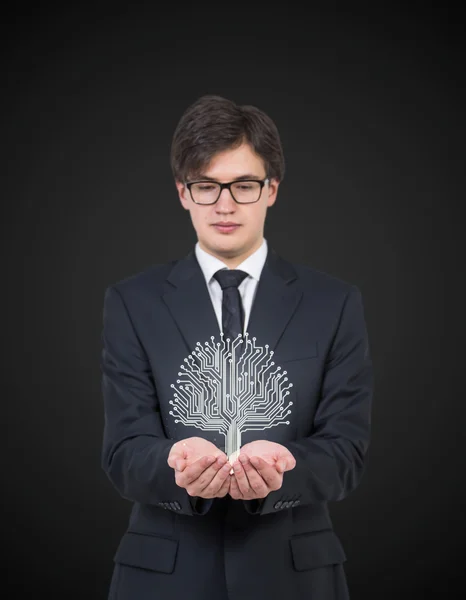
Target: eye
x,y
205,187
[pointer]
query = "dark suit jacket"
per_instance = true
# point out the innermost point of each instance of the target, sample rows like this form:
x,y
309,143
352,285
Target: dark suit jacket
x,y
177,547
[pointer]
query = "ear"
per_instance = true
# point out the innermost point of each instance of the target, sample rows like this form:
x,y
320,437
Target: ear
x,y
272,191
183,194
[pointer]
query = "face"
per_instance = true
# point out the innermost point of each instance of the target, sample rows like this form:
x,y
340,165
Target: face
x,y
234,245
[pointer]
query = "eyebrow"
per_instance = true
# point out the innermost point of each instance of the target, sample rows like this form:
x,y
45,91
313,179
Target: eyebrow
x,y
247,176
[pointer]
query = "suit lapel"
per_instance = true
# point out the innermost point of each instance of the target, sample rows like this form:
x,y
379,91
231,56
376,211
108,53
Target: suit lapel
x,y
277,297
189,302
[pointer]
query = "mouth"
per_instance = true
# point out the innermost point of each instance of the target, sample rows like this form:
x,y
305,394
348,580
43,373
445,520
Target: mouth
x,y
227,227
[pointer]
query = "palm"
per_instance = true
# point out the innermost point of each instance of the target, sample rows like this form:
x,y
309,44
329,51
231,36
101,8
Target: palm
x,y
197,447
269,451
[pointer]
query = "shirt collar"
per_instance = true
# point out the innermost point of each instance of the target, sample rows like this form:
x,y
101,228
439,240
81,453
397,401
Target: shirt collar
x,y
252,265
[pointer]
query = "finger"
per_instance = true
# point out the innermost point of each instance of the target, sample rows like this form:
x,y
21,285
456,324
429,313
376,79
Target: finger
x,y
193,471
272,477
208,481
234,489
223,491
225,487
260,464
220,482
241,478
256,483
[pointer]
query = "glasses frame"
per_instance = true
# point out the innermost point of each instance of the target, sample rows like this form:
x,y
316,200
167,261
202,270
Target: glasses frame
x,y
227,186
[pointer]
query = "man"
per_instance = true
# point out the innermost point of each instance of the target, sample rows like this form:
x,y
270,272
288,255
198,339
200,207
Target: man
x,y
230,464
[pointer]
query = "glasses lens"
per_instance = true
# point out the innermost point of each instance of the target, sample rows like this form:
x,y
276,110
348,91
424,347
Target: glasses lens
x,y
246,191
205,193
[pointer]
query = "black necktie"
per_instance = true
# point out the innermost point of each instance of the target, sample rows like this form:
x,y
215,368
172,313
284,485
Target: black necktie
x,y
232,306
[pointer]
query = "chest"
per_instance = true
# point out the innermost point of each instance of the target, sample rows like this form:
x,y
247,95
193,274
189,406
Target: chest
x,y
232,394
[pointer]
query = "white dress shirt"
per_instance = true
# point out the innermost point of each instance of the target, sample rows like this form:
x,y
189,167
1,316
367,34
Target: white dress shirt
x,y
252,266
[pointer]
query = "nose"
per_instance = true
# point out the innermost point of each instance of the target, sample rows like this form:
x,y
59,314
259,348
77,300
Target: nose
x,y
225,203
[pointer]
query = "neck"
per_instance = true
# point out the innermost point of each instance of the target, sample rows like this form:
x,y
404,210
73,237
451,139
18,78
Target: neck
x,y
230,259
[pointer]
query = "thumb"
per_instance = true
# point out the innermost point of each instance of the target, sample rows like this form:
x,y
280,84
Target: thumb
x,y
180,464
178,451
286,462
291,462
281,465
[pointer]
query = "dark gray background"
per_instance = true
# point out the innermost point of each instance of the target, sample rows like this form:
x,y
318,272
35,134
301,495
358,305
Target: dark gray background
x,y
371,112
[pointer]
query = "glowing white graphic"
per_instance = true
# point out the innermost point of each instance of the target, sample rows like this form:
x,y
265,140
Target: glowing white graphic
x,y
226,388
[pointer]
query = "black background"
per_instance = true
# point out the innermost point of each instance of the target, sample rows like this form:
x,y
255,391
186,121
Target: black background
x,y
370,106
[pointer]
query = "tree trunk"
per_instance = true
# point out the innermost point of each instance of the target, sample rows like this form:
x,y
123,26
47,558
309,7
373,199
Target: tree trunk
x,y
233,442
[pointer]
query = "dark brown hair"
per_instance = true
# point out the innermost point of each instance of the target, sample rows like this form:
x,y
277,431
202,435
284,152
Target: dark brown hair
x,y
214,124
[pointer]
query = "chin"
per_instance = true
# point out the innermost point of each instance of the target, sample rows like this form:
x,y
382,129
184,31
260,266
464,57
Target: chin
x,y
228,249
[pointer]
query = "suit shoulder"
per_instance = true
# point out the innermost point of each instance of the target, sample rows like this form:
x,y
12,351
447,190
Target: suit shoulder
x,y
322,281
149,278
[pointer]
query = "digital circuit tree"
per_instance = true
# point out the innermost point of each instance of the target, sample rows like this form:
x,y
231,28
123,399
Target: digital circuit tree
x,y
231,387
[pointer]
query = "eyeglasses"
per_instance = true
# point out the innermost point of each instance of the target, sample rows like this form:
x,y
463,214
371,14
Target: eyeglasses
x,y
245,191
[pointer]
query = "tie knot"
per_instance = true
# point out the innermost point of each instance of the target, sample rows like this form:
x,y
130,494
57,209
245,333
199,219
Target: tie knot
x,y
230,277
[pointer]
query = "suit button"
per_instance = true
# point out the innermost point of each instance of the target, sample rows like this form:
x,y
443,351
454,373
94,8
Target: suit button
x,y
289,504
177,505
172,505
278,505
295,503
166,505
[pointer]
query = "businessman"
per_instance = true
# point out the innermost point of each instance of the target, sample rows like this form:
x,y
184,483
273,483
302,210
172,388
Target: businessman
x,y
237,390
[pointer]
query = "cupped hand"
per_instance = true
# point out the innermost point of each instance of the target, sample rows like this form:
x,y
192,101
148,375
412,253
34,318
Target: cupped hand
x,y
200,468
259,470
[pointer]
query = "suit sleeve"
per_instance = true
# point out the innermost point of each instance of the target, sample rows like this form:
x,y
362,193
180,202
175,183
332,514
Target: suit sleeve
x,y
330,461
135,448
